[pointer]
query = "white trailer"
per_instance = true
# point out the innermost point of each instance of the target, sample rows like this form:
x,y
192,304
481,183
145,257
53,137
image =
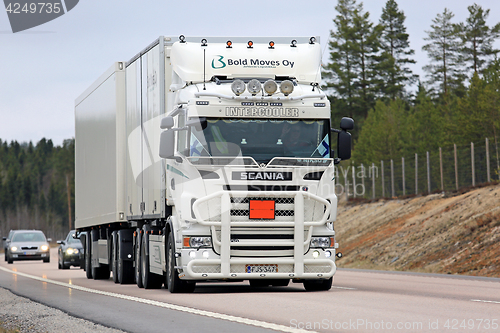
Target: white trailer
x,y
209,159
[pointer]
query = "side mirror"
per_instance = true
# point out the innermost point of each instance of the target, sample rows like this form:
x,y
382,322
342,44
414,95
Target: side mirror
x,y
347,124
167,144
167,122
60,242
49,240
4,238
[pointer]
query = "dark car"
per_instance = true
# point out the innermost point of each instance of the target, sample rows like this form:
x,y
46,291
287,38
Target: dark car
x,y
28,245
6,241
69,251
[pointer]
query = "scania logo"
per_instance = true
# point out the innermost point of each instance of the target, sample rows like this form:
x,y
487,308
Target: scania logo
x,y
259,175
218,63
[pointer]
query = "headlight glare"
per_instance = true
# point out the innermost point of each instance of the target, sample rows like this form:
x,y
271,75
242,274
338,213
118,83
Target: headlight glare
x,y
44,247
13,248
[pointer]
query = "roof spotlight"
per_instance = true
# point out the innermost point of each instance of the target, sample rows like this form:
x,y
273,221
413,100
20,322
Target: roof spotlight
x,y
229,43
238,87
254,86
270,87
286,87
293,43
182,38
271,45
250,44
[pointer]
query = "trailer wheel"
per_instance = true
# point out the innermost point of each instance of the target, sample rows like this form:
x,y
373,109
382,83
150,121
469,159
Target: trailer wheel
x,y
150,280
318,285
125,270
138,274
88,256
172,281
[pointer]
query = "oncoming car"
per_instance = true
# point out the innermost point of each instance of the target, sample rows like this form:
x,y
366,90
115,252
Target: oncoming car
x,y
6,241
69,251
28,245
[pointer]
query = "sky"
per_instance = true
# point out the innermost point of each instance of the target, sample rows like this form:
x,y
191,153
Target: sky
x,y
44,69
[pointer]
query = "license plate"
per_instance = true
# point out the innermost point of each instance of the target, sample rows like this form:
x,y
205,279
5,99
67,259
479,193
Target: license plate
x,y
29,253
261,268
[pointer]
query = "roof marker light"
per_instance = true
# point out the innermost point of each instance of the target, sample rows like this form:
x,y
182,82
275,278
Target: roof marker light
x,y
254,87
182,38
293,43
312,40
270,87
203,42
229,43
238,87
271,45
286,87
250,44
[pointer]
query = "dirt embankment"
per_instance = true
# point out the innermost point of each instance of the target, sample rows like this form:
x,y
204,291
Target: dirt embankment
x,y
436,233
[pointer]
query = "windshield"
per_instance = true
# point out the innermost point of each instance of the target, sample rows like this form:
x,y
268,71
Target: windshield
x,y
28,237
262,139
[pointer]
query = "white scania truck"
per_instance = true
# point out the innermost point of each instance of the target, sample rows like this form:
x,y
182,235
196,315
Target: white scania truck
x,y
205,159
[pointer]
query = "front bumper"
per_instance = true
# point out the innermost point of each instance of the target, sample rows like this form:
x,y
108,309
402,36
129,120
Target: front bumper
x,y
29,256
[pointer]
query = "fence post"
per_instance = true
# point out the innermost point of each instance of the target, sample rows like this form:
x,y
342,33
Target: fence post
x,y
456,165
353,181
346,183
441,168
403,169
373,180
416,173
488,174
392,179
473,164
383,180
428,174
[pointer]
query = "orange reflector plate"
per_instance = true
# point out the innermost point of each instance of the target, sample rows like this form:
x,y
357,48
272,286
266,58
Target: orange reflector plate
x,y
262,209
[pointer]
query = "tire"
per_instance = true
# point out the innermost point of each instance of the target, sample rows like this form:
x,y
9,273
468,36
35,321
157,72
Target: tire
x,y
138,274
47,260
149,280
318,285
113,256
88,256
172,281
9,260
59,266
125,270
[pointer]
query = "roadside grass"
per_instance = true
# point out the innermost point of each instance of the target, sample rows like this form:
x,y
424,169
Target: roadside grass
x,y
7,330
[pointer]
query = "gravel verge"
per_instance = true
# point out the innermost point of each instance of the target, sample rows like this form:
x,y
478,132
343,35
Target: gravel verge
x,y
24,315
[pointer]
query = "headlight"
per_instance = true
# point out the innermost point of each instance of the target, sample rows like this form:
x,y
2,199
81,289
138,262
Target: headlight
x,y
198,242
71,251
44,247
321,242
14,248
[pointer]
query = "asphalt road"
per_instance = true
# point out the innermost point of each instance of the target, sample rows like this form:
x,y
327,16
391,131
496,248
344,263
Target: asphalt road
x,y
360,301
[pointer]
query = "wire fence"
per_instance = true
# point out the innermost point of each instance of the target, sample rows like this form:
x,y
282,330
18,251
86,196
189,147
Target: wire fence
x,y
444,170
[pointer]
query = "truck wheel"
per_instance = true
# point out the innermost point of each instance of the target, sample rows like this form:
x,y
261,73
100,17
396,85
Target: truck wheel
x,y
138,274
125,270
172,281
150,280
113,256
88,256
318,285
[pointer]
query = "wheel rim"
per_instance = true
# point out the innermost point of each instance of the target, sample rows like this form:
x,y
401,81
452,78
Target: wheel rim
x,y
169,263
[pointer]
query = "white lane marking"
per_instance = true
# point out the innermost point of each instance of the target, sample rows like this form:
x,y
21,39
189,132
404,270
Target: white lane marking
x,y
483,301
343,288
210,314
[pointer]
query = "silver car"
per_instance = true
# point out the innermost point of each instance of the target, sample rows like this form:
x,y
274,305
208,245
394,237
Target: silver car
x,y
28,245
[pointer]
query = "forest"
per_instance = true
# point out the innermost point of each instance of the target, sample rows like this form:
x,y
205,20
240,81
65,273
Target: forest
x,y
368,77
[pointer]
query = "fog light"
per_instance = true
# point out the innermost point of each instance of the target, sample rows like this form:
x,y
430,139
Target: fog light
x,y
192,254
316,254
254,86
238,87
328,254
286,87
206,254
270,87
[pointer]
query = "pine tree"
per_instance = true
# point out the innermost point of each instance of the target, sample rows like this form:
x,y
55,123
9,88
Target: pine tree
x,y
351,71
478,38
444,53
393,66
